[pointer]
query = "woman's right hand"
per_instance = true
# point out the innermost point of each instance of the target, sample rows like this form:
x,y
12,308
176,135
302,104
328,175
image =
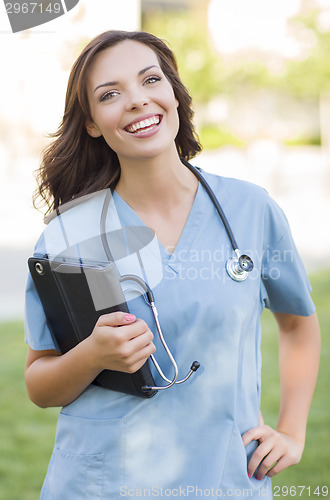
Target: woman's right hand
x,y
121,342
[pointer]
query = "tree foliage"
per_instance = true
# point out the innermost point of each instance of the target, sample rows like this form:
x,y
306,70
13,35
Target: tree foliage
x,y
203,70
310,76
208,74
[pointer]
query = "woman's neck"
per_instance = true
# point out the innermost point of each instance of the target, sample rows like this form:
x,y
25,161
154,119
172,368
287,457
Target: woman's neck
x,y
156,184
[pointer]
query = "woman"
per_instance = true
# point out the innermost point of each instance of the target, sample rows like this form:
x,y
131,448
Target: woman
x,y
127,123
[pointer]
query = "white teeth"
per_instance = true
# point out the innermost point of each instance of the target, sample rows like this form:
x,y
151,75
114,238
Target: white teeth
x,y
153,120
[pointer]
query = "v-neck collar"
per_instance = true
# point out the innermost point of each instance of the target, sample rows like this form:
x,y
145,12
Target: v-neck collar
x,y
129,217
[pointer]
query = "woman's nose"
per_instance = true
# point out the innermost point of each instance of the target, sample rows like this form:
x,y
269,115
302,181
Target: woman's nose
x,y
137,98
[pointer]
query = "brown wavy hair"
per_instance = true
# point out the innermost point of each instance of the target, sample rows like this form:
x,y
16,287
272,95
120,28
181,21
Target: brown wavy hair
x,y
75,163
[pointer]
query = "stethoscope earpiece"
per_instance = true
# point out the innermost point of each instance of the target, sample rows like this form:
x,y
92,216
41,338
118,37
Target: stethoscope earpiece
x,y
238,267
151,302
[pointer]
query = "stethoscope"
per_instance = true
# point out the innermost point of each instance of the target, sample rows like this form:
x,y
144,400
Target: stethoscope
x,y
237,268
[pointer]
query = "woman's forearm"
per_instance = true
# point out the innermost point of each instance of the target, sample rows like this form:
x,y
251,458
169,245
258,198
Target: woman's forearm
x,y
299,352
57,380
119,342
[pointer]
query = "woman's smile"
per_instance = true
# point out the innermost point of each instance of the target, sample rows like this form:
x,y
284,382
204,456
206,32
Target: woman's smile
x,y
149,123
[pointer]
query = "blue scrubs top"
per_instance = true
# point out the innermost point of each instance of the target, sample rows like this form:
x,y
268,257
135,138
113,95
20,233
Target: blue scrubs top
x,y
185,441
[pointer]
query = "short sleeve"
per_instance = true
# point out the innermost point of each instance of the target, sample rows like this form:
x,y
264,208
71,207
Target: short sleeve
x,y
285,286
37,333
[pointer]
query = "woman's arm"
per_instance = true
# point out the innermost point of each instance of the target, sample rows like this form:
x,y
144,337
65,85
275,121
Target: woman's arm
x,y
118,342
299,352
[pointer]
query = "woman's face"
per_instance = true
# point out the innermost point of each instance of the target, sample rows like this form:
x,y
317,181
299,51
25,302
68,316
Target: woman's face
x,y
131,101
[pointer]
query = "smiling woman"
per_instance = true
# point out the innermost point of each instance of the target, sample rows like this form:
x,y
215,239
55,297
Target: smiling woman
x,y
80,160
125,137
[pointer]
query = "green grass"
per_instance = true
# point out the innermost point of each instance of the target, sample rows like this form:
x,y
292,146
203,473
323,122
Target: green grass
x,y
27,432
314,469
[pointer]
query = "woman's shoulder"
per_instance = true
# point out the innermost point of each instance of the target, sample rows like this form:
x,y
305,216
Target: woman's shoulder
x,y
72,222
236,189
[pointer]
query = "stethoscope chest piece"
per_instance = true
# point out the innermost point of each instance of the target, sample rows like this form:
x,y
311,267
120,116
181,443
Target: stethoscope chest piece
x,y
239,267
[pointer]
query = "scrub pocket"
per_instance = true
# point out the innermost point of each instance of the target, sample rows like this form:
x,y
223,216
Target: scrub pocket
x,y
73,476
235,480
87,460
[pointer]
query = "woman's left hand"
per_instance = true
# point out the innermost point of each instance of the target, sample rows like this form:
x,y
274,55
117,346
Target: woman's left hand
x,y
276,451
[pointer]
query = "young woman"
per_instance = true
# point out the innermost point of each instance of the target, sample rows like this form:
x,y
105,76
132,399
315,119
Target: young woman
x,y
127,125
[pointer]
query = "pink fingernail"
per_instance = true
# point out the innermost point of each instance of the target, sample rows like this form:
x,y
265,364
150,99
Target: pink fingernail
x,y
259,478
129,317
249,475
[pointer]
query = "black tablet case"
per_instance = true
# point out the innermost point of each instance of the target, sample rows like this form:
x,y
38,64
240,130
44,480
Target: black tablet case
x,y
71,314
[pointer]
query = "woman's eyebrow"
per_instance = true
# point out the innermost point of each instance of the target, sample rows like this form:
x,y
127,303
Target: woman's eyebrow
x,y
109,84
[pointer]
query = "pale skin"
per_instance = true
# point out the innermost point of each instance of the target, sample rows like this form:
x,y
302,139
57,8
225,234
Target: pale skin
x,y
126,85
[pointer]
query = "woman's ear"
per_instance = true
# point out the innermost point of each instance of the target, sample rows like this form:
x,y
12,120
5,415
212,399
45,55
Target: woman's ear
x,y
92,129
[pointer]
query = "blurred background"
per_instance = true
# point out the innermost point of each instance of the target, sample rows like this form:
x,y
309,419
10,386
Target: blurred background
x,y
259,74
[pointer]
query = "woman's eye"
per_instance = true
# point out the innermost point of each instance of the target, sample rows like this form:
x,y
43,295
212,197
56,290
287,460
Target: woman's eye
x,y
152,79
108,95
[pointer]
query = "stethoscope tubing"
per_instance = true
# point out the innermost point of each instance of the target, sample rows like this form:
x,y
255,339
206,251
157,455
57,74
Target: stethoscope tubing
x,y
151,301
233,266
215,202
